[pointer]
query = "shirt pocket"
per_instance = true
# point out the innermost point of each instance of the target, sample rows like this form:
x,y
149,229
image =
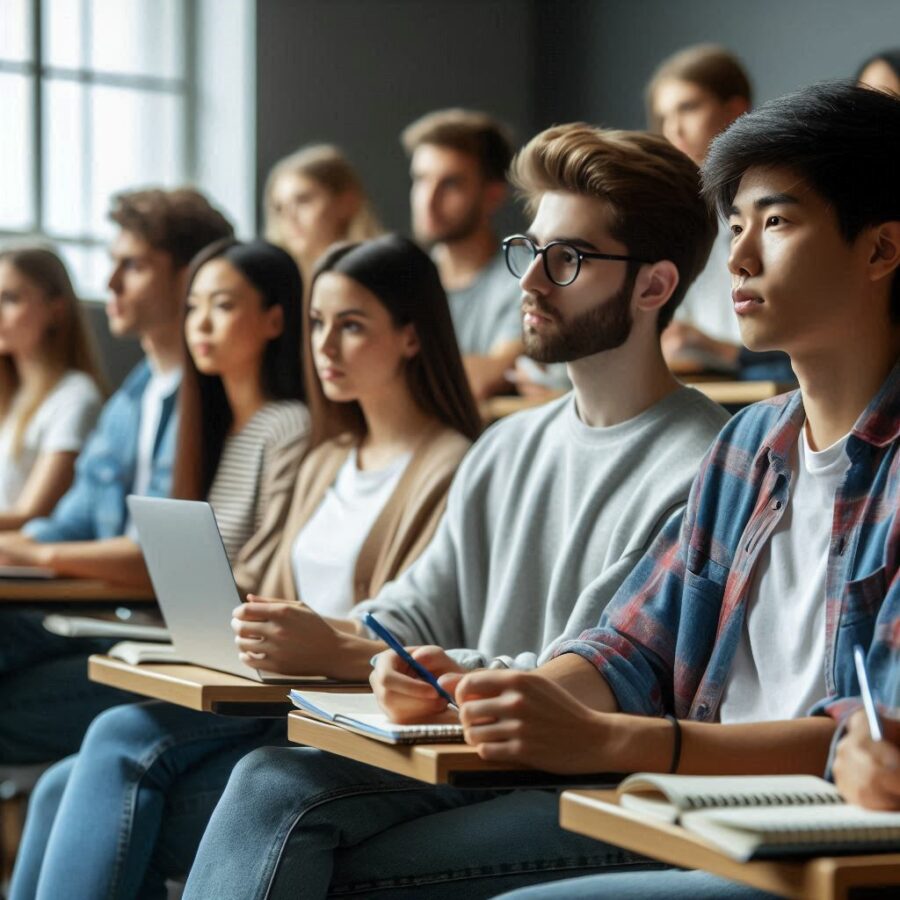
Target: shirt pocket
x,y
863,598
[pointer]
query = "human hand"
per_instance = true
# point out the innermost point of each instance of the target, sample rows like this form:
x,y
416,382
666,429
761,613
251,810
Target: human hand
x,y
18,550
867,772
405,697
286,637
525,718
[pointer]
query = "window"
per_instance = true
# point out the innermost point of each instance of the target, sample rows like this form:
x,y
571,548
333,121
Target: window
x,y
96,97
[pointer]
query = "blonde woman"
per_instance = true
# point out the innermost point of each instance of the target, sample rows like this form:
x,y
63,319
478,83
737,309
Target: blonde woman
x,y
50,383
314,198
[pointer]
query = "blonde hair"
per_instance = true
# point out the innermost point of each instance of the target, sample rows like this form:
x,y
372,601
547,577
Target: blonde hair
x,y
707,65
653,191
326,165
67,344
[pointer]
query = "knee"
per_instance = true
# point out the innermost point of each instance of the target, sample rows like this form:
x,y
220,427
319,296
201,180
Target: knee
x,y
125,730
47,794
272,773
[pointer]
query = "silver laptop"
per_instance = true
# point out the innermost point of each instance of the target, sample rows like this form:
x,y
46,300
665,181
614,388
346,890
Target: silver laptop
x,y
193,582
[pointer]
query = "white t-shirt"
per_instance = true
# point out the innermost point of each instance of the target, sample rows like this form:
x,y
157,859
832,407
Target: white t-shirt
x,y
779,667
160,386
707,304
325,550
59,425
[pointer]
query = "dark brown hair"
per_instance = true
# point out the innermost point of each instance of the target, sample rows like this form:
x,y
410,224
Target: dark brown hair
x,y
653,191
474,133
180,222
205,415
708,65
405,281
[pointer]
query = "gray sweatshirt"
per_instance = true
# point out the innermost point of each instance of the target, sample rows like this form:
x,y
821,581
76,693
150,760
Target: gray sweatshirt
x,y
542,506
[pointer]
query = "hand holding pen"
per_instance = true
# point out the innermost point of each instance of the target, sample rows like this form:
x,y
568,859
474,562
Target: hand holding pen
x,y
406,694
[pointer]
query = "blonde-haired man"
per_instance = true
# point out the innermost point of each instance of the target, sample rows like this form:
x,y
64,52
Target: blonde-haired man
x,y
545,504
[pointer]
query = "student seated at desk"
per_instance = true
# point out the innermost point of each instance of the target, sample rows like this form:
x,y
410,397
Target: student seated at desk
x,y
51,389
130,451
314,198
693,96
742,622
392,417
548,502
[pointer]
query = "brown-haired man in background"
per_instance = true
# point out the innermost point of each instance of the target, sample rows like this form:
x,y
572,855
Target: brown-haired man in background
x,y
130,452
458,163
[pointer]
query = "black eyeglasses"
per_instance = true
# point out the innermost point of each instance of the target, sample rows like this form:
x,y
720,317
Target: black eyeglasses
x,y
562,260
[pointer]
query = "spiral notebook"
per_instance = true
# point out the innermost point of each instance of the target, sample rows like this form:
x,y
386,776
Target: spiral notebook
x,y
362,714
763,816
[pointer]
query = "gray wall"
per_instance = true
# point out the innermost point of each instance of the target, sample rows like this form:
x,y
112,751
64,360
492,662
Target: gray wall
x,y
594,56
355,72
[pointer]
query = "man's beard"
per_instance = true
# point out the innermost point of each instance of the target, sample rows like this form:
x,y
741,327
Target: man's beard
x,y
603,327
457,231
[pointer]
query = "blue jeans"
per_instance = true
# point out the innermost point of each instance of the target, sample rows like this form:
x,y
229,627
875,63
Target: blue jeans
x,y
299,823
46,699
128,811
673,884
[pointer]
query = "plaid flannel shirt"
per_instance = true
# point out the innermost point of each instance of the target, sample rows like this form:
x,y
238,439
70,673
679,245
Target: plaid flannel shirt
x,y
667,640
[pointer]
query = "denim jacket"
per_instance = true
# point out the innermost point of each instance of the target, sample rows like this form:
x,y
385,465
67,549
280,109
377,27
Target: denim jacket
x,y
667,640
94,507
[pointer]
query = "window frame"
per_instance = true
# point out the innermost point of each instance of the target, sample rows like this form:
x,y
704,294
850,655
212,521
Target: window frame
x,y
41,72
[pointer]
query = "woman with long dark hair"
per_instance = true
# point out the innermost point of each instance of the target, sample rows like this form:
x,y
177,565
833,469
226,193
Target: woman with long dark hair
x,y
392,417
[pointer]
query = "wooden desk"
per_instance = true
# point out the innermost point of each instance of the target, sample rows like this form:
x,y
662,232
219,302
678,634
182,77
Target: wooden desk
x,y
456,764
728,393
196,687
598,815
70,590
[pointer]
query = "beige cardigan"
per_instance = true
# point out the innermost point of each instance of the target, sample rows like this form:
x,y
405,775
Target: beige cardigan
x,y
400,533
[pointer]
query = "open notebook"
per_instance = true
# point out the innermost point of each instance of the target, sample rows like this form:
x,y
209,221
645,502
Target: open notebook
x,y
763,815
362,714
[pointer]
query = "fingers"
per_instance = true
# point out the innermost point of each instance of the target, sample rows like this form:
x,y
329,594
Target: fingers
x,y
435,659
486,683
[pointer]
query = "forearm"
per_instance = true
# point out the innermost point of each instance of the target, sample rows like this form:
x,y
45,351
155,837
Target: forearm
x,y
579,678
117,560
13,521
353,657
797,746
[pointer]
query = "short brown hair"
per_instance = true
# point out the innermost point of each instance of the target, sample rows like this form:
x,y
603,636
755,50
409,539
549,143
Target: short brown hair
x,y
653,191
180,222
708,65
475,133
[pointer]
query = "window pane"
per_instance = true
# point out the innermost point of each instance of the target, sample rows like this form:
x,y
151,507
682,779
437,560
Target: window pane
x,y
15,30
137,37
65,203
89,268
135,141
62,37
16,168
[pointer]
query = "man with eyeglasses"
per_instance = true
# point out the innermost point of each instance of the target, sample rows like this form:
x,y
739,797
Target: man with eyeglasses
x,y
546,503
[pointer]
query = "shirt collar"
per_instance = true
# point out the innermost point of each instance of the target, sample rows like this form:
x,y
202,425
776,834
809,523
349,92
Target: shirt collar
x,y
878,425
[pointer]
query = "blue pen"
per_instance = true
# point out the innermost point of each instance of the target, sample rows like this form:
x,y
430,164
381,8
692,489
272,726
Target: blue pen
x,y
371,622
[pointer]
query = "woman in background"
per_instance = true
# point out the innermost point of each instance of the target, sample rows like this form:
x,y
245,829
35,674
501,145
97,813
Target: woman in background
x,y
881,72
51,389
392,417
313,199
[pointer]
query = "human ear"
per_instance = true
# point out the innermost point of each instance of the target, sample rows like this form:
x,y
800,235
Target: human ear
x,y
885,254
411,343
494,196
655,284
274,321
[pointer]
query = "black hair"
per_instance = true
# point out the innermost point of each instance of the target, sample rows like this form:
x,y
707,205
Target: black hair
x,y
205,415
840,138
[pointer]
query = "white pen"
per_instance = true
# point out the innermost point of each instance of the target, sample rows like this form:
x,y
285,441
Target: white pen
x,y
859,658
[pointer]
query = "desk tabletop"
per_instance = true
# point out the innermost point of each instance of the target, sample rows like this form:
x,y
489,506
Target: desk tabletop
x,y
730,393
598,815
69,590
194,687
